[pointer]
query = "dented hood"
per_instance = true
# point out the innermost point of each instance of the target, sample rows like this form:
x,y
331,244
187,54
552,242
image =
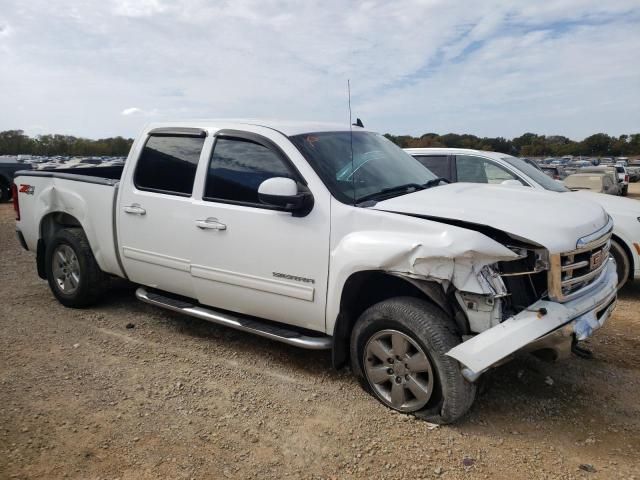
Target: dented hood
x,y
552,220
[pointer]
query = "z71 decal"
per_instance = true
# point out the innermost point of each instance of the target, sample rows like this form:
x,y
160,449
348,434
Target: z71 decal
x,y
28,189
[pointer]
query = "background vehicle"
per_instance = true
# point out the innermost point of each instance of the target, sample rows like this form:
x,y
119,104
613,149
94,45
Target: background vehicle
x,y
7,169
594,182
618,173
625,242
557,172
321,236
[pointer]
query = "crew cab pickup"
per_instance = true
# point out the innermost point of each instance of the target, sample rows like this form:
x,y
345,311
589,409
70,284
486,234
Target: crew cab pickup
x,y
329,237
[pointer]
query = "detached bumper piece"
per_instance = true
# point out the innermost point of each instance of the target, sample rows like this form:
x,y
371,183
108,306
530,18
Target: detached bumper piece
x,y
544,324
265,329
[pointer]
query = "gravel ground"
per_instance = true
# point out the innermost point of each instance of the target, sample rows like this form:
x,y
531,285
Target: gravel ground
x,y
125,390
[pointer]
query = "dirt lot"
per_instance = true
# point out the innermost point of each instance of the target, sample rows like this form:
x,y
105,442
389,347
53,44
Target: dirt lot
x,y
83,396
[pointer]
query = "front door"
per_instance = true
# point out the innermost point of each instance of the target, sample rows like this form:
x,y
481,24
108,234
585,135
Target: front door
x,y
251,258
155,219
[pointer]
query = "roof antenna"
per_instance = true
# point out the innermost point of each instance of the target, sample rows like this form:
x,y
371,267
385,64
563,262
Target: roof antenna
x,y
353,179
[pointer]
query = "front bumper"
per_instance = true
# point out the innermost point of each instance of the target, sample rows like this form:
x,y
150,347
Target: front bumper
x,y
580,317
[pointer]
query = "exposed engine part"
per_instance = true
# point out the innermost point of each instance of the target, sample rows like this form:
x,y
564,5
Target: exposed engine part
x,y
483,311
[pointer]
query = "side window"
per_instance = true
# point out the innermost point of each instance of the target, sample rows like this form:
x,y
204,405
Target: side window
x,y
168,164
478,170
438,164
238,167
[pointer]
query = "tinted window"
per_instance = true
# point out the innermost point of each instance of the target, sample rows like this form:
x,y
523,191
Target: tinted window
x,y
438,164
478,170
238,167
168,164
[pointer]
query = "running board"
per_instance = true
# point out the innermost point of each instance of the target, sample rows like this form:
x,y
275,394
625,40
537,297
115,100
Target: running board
x,y
251,325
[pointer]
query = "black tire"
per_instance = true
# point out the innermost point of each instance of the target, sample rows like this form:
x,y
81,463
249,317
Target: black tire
x,y
434,332
5,190
92,280
623,263
625,190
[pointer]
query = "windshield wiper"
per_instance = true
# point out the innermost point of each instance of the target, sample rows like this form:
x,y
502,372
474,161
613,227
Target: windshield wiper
x,y
435,182
401,189
388,192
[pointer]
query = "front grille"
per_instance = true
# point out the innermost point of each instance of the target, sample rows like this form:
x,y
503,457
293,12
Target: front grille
x,y
572,272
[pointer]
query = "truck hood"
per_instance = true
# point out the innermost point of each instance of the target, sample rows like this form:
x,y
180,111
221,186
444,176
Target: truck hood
x,y
555,221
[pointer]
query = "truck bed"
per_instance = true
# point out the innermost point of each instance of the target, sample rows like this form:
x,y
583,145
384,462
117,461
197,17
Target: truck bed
x,y
87,195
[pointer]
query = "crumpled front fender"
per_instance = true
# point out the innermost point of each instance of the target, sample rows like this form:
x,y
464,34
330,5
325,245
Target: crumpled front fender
x,y
447,256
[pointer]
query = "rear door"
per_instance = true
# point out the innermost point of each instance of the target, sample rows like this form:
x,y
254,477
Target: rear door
x,y
155,223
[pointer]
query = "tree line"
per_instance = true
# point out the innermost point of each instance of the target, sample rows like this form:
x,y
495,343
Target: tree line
x,y
15,142
530,144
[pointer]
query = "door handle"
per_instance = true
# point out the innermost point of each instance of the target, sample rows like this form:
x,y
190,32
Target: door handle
x,y
210,224
135,209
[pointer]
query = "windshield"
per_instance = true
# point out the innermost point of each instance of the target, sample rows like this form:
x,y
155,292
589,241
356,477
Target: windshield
x,y
536,175
378,165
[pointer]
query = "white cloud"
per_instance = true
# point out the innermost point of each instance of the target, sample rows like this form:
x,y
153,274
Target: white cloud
x,y
499,68
131,111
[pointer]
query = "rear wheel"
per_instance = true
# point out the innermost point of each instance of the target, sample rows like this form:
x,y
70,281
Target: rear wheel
x,y
623,263
398,352
72,271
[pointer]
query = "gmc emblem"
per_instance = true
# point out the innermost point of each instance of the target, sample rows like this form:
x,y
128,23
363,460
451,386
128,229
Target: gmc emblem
x,y
596,260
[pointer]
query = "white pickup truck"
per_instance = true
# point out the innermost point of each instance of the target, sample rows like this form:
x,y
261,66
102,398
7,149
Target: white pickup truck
x,y
327,237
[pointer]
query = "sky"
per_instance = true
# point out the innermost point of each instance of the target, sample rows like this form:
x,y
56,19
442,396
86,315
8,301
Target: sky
x,y
100,68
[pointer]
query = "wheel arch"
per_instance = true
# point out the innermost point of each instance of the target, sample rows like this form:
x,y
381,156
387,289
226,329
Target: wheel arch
x,y
49,226
366,288
627,252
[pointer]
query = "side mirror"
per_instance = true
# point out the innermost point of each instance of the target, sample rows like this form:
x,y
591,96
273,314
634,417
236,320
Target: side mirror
x,y
513,183
283,193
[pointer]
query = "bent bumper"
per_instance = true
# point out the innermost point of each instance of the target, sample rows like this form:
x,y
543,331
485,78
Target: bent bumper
x,y
580,318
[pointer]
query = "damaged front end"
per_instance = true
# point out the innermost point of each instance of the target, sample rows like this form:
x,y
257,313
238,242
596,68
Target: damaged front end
x,y
529,300
538,302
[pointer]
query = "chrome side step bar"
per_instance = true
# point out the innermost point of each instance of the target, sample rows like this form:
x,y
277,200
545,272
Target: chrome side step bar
x,y
251,325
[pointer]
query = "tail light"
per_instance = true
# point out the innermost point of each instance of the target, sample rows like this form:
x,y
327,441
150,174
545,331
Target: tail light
x,y
16,203
626,178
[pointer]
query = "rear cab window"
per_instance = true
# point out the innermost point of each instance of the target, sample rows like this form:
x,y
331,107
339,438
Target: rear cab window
x,y
168,164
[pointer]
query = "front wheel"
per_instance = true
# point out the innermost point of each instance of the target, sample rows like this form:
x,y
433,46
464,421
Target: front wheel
x,y
398,349
72,271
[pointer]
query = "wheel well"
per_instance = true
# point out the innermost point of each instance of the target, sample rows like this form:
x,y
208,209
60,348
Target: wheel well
x,y
51,224
364,289
627,252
